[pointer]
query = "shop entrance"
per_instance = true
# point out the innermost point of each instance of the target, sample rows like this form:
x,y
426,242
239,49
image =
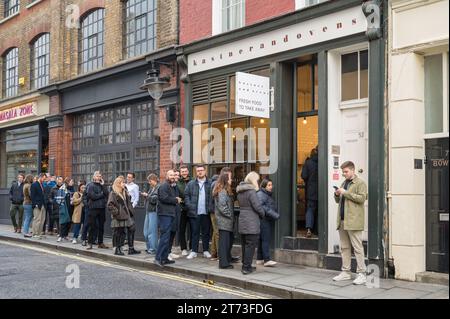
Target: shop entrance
x,y
307,138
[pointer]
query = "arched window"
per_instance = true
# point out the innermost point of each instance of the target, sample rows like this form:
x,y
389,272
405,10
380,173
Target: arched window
x,y
140,27
91,41
40,61
11,73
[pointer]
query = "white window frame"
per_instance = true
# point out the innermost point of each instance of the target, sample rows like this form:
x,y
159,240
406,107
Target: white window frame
x,y
364,102
217,20
445,132
301,4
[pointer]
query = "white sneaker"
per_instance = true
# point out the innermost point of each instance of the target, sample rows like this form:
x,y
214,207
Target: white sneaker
x,y
59,239
74,241
173,256
260,262
343,276
169,258
206,254
192,255
270,263
184,253
360,279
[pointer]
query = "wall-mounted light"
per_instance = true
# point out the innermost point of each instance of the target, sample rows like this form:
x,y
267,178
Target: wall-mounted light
x,y
305,121
154,84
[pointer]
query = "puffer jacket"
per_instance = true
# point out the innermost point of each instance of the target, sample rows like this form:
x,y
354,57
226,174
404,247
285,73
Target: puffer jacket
x,y
269,205
251,210
120,208
224,211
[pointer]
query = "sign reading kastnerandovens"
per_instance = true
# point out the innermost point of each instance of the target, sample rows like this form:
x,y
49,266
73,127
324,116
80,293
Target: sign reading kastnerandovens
x,y
252,95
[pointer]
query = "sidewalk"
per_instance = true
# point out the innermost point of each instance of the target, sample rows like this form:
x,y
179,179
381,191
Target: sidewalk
x,y
285,281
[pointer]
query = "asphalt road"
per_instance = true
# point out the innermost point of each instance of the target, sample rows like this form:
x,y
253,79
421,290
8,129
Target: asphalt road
x,y
32,272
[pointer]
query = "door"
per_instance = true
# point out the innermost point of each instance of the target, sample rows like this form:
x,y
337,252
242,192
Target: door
x,y
355,146
437,204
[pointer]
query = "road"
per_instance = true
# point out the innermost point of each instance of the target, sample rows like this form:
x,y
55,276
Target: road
x,y
33,272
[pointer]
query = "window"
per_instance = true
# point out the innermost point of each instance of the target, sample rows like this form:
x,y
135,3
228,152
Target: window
x,y
11,7
40,61
233,14
140,27
301,4
11,73
91,41
436,93
355,76
307,87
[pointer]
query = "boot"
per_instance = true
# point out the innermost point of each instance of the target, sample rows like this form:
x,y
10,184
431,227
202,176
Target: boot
x,y
119,251
132,251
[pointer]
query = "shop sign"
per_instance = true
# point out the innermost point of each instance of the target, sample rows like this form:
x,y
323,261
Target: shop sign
x,y
252,95
18,112
326,28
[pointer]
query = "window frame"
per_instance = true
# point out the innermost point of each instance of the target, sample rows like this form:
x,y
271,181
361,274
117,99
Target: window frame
x,y
10,83
84,47
218,16
10,10
35,78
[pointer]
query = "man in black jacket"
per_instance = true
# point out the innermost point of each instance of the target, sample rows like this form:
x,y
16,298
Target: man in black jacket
x,y
184,180
16,198
97,196
310,174
168,202
197,199
38,204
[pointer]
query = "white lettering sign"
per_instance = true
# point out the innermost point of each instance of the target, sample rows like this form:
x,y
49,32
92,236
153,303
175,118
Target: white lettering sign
x,y
252,95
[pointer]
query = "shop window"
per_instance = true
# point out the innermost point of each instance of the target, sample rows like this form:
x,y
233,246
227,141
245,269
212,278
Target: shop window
x,y
201,113
11,7
147,122
83,167
106,127
123,125
436,93
233,14
354,76
219,110
40,61
11,73
140,27
91,45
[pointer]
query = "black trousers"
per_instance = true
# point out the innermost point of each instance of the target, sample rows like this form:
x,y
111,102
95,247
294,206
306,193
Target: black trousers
x,y
249,244
94,227
64,230
184,224
225,245
119,236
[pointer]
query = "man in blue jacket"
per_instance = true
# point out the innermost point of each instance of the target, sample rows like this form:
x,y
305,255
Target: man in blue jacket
x,y
16,198
38,204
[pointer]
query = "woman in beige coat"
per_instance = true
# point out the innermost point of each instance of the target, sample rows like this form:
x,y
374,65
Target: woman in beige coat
x,y
77,202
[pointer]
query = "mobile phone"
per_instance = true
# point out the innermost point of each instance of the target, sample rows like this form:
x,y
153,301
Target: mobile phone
x,y
335,188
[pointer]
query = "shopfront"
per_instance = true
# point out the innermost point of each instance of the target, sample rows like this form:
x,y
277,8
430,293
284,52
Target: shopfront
x,y
23,143
320,63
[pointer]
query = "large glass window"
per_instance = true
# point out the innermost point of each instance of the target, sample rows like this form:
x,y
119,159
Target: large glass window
x,y
140,27
11,73
40,61
233,14
11,7
307,87
91,41
355,76
301,4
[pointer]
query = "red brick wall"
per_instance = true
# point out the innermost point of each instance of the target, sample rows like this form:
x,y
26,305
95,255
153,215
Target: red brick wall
x,y
165,129
195,20
258,10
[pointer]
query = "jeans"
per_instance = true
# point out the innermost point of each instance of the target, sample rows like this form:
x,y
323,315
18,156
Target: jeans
x,y
248,243
28,216
201,223
225,245
151,231
311,210
16,209
174,230
184,222
165,227
76,230
96,215
264,240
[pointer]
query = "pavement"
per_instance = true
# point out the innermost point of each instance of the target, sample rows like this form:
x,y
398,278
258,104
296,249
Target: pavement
x,y
284,280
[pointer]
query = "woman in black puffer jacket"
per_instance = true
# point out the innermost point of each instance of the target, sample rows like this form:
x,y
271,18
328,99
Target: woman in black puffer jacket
x,y
271,214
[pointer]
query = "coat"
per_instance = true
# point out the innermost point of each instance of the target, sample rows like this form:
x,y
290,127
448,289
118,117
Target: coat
x,y
97,195
251,210
77,201
355,196
182,183
151,201
27,194
191,195
224,211
37,195
310,174
269,205
120,208
16,193
167,200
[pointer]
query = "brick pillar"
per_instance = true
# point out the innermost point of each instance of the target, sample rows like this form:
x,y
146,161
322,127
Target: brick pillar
x,y
165,129
55,136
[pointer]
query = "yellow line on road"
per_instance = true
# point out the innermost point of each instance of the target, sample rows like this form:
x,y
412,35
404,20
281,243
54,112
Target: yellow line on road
x,y
147,272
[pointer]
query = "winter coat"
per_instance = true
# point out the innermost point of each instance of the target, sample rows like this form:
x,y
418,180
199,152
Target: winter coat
x,y
120,208
224,211
251,210
52,201
37,195
191,196
48,186
354,212
27,194
310,174
97,195
182,183
269,205
60,201
16,193
151,202
77,201
167,199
